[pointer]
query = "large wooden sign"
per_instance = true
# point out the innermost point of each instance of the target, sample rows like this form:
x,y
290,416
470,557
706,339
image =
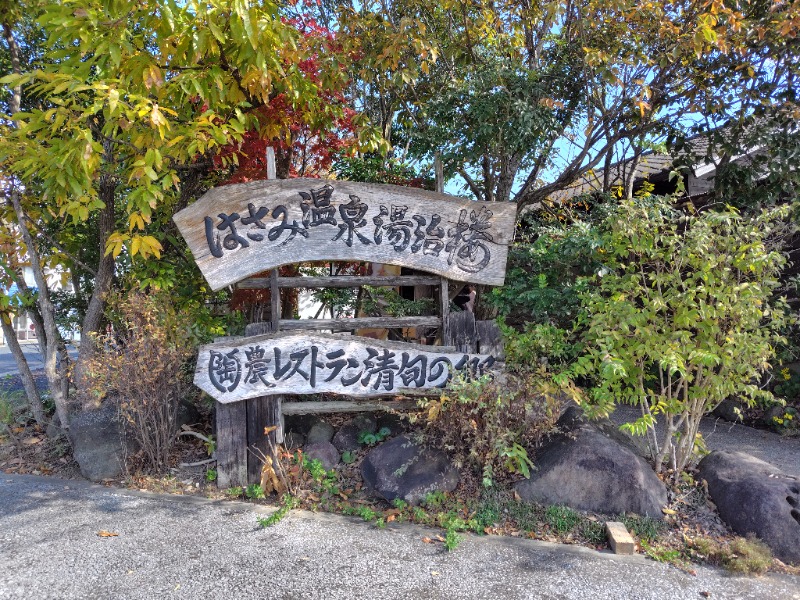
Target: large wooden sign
x,y
296,363
236,231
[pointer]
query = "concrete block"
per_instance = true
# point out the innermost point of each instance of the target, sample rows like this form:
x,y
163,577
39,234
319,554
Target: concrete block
x,y
619,538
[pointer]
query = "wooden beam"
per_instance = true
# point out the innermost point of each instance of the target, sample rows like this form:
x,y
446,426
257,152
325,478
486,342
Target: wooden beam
x,y
334,406
346,281
358,323
444,310
274,301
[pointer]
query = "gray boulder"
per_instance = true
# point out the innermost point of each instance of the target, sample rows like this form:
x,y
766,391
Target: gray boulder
x,y
593,468
346,439
752,496
402,469
730,409
320,432
97,439
324,452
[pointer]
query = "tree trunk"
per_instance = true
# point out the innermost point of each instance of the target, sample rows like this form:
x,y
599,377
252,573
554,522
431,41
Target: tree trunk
x,y
45,304
34,400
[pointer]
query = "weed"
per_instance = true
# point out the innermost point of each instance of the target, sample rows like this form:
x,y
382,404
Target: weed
x,y
434,499
748,556
399,503
594,532
211,475
370,439
288,502
562,518
234,492
254,491
646,529
662,554
452,540
348,457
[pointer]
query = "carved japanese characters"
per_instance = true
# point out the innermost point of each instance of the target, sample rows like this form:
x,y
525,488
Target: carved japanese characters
x,y
237,230
301,364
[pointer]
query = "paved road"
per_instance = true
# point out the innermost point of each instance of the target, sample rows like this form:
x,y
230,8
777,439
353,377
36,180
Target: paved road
x,y
8,366
179,547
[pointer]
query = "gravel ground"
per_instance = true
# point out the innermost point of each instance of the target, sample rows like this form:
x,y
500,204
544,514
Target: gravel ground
x,y
177,547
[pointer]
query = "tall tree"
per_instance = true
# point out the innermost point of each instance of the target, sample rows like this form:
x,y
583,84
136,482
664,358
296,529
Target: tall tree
x,y
131,103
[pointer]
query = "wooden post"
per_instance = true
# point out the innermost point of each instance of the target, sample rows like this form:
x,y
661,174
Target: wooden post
x,y
275,300
438,170
231,448
262,413
444,303
271,172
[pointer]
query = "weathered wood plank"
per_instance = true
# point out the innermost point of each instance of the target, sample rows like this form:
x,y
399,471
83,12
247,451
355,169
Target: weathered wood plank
x,y
463,334
262,412
345,406
298,363
358,323
274,301
444,310
236,231
335,281
231,451
490,339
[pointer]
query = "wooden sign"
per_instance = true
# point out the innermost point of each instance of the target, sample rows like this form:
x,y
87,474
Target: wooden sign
x,y
236,231
296,363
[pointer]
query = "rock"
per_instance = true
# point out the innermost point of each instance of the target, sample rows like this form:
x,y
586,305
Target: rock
x,y
97,443
300,423
324,452
727,409
752,496
393,422
591,468
402,469
365,422
293,440
320,432
346,439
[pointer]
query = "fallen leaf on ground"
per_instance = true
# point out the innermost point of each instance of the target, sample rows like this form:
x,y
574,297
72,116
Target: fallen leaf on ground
x,y
104,533
440,538
668,511
427,540
434,573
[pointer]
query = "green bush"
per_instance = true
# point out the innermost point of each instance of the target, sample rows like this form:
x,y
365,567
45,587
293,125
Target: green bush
x,y
488,426
680,317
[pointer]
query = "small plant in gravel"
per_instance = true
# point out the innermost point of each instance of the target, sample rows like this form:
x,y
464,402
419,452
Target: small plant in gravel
x,y
211,475
288,502
452,540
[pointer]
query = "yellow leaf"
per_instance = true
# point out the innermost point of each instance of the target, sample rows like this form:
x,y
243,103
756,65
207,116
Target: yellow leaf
x,y
105,534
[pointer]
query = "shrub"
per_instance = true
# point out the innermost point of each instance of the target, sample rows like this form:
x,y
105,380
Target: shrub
x,y
144,363
488,425
681,318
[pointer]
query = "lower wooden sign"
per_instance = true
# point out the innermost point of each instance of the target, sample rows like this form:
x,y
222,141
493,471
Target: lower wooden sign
x,y
299,363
